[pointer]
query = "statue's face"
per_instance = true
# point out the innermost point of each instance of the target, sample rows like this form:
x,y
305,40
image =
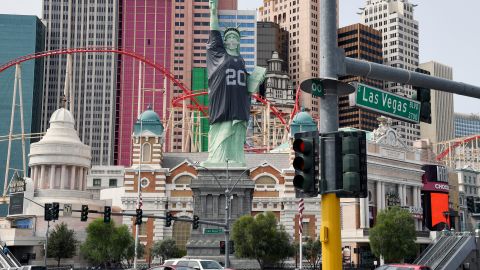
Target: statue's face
x,y
232,41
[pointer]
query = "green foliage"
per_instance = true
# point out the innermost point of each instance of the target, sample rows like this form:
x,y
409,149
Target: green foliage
x,y
167,249
61,243
108,245
393,235
312,250
261,239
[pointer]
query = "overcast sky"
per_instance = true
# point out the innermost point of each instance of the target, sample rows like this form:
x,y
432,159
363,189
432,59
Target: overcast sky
x,y
448,34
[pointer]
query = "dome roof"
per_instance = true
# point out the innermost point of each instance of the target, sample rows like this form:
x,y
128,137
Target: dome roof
x,y
149,116
61,144
149,121
62,116
302,122
302,118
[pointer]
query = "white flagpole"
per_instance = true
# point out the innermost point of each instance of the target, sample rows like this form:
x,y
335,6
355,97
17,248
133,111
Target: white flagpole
x,y
300,227
139,186
301,255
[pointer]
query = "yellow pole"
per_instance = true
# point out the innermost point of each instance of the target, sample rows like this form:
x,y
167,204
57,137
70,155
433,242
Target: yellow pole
x,y
330,233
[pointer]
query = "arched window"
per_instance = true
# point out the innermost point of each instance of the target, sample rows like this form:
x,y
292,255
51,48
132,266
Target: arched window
x,y
265,183
183,182
181,233
146,152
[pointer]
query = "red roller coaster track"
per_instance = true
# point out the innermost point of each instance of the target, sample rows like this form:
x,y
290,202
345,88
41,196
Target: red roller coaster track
x,y
455,145
188,94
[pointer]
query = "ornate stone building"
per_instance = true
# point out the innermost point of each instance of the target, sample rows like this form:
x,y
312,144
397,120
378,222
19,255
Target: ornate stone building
x,y
394,173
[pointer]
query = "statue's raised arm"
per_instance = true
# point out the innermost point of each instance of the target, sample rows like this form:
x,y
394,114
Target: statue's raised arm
x,y
214,15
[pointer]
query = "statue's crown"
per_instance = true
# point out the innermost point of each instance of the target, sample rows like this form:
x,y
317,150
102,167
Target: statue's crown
x,y
231,29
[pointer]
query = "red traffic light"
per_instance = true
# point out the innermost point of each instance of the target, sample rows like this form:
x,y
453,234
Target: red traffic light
x,y
302,146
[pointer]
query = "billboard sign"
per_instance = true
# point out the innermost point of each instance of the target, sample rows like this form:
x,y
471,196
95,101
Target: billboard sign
x,y
16,204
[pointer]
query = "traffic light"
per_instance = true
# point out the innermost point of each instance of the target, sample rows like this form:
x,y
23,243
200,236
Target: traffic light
x,y
354,164
84,214
195,222
222,247
138,219
107,214
305,163
168,219
48,212
470,204
231,247
55,210
423,96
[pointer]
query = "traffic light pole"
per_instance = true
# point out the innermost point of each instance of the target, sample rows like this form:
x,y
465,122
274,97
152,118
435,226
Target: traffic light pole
x,y
332,64
46,244
330,229
371,70
46,234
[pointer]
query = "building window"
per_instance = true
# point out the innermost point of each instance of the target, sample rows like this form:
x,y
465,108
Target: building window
x,y
112,183
144,182
97,182
183,182
181,233
143,228
146,152
265,183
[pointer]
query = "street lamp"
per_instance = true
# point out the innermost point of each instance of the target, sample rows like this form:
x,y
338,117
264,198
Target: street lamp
x,y
446,214
228,198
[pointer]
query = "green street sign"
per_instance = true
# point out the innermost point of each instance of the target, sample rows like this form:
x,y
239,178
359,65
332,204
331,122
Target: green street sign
x,y
313,86
212,231
383,102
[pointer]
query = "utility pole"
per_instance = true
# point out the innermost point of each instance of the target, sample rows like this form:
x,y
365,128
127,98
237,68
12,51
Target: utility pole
x,y
330,230
46,243
332,64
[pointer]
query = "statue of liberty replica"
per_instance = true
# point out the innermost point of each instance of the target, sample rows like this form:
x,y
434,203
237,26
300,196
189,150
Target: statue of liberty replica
x,y
229,90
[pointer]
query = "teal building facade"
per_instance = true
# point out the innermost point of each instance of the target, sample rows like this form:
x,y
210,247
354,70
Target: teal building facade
x,y
20,35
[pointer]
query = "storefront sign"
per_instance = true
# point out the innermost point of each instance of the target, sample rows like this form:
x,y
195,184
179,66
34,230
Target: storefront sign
x,y
417,212
436,186
17,184
392,199
16,204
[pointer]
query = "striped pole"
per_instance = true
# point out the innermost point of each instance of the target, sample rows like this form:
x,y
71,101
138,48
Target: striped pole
x,y
301,207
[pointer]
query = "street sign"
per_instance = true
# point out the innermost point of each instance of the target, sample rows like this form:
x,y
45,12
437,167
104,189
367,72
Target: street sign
x,y
393,105
212,231
320,87
313,86
67,210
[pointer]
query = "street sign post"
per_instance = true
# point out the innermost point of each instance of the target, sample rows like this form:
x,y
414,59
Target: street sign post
x,y
212,231
393,105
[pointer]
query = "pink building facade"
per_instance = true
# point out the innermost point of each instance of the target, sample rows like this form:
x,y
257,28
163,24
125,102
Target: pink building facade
x,y
191,22
146,29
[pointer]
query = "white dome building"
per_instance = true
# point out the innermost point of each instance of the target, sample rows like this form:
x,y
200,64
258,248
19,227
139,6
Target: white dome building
x,y
60,161
59,165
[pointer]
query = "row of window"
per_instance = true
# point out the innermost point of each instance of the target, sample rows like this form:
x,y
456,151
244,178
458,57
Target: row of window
x,y
98,182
